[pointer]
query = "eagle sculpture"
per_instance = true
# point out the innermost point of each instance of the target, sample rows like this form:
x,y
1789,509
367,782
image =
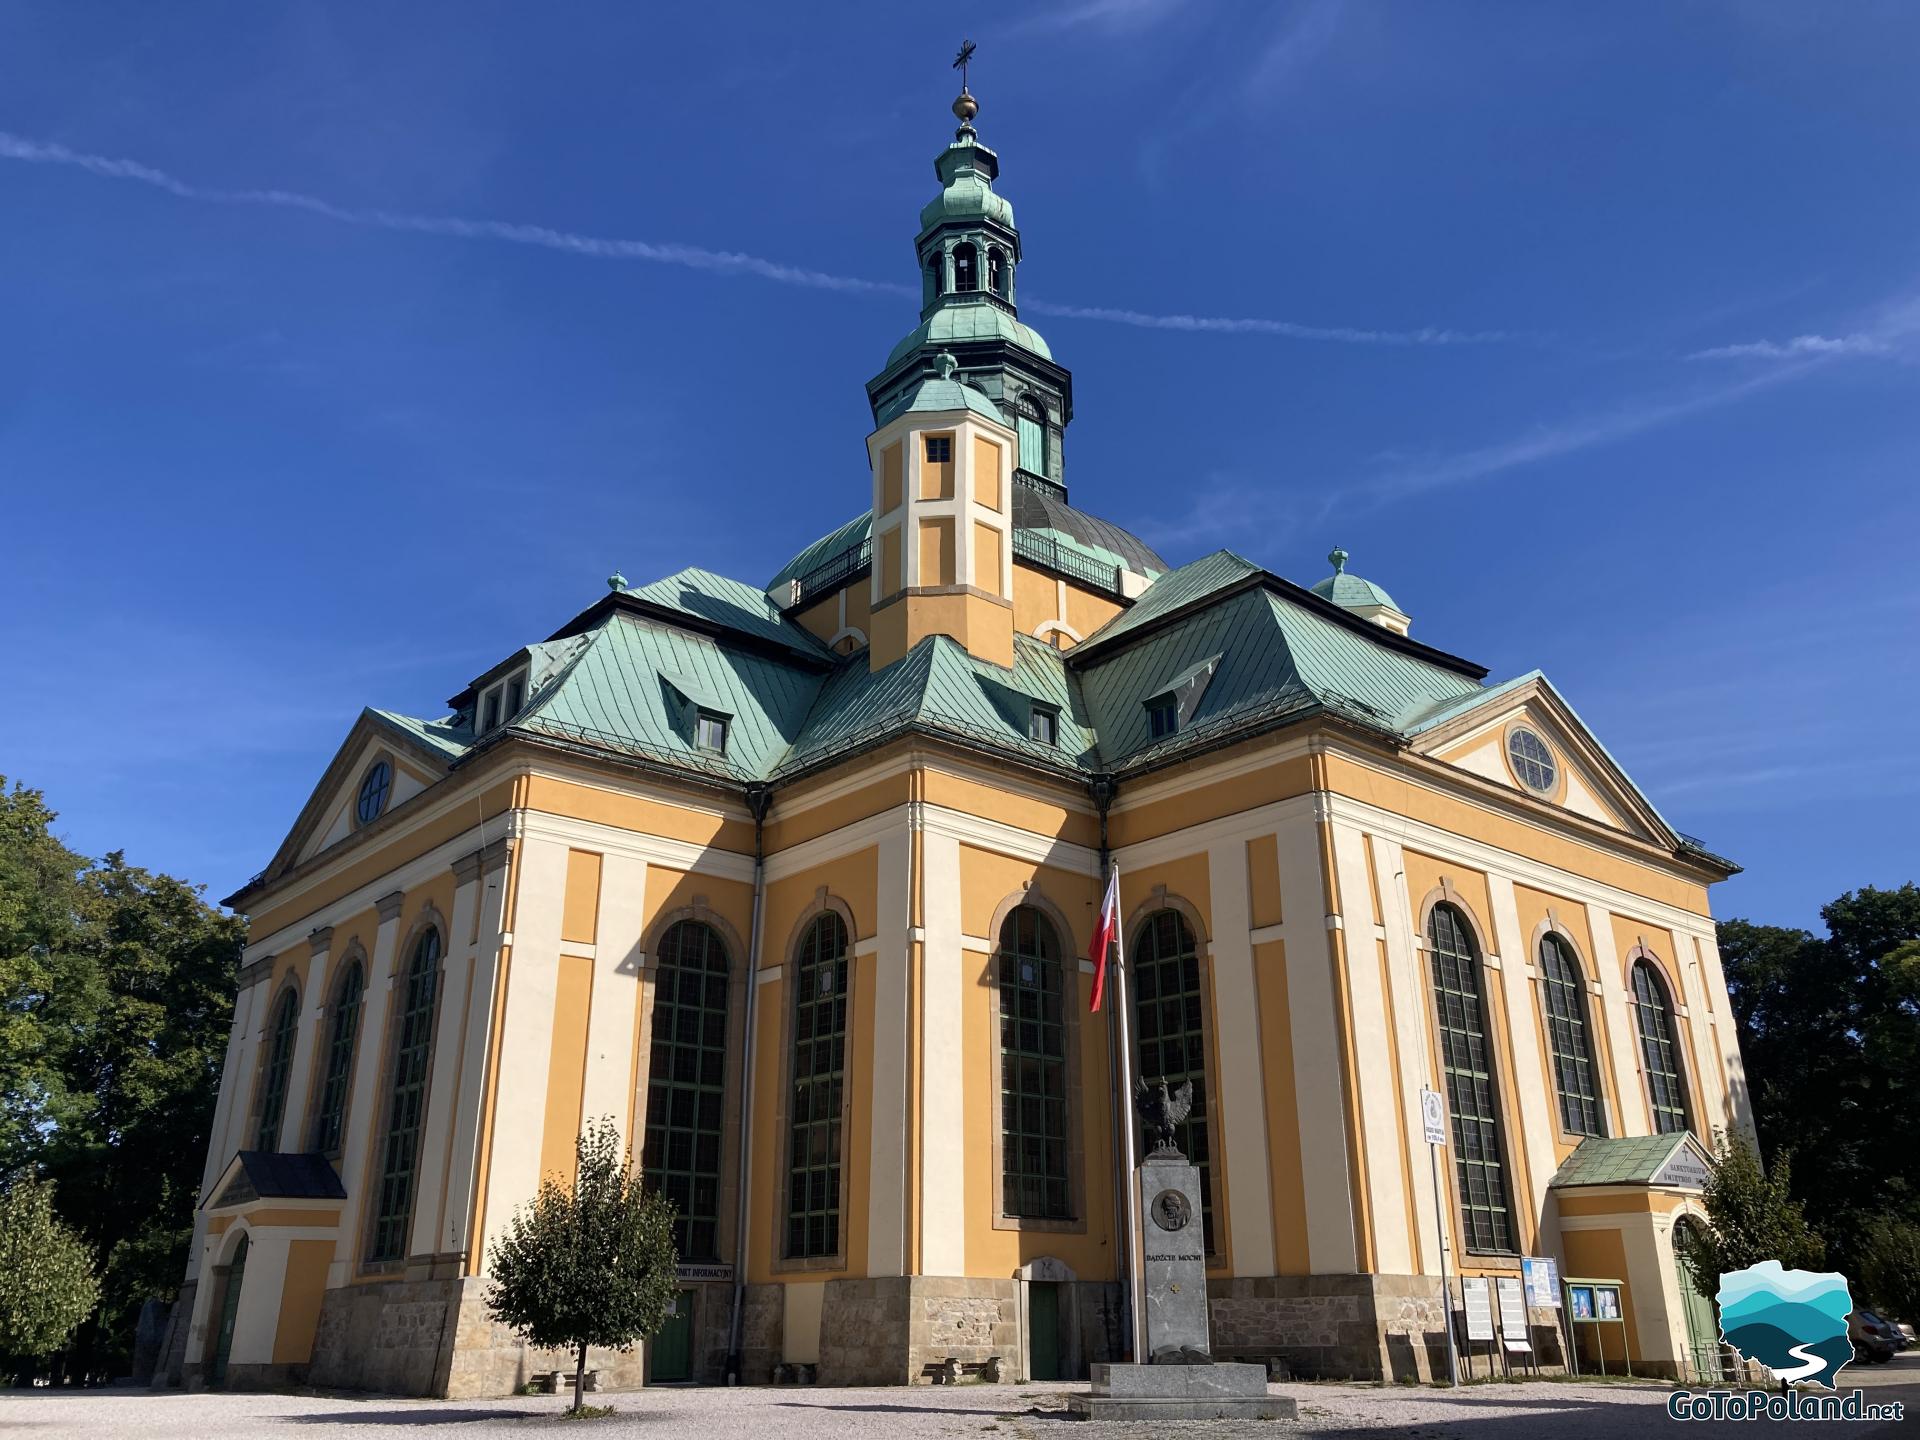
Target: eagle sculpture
x,y
1162,1111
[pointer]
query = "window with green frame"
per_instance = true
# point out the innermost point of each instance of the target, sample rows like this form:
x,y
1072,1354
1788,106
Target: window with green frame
x,y
1653,1016
819,1072
407,1107
1479,1163
273,1080
1168,1005
1563,990
343,1028
686,1084
1031,429
1033,1070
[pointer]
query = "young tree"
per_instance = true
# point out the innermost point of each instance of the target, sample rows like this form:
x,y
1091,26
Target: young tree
x,y
47,1284
1750,1218
588,1264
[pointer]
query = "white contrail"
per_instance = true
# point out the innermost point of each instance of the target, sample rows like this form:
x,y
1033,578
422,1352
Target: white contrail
x,y
43,152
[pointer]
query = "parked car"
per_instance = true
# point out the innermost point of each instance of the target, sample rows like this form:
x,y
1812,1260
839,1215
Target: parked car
x,y
1905,1330
1874,1340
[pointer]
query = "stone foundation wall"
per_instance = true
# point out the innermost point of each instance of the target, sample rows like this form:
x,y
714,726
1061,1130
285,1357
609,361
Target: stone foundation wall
x,y
434,1337
970,1320
1361,1327
762,1333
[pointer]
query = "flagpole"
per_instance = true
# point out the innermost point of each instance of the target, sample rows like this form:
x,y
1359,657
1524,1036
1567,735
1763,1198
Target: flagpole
x,y
1136,1309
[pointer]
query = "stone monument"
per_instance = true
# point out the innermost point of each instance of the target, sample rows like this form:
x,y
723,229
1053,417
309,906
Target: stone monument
x,y
1180,1379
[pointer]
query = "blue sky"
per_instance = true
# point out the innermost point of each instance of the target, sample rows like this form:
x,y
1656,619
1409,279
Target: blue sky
x,y
348,347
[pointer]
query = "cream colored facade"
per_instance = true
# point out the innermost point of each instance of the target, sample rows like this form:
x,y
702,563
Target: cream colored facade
x,y
542,870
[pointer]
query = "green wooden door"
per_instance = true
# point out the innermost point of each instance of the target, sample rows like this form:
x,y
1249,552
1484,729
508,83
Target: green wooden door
x,y
229,1306
1703,1328
673,1343
1043,1331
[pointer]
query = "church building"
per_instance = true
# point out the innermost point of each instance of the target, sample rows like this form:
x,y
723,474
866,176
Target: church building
x,y
794,877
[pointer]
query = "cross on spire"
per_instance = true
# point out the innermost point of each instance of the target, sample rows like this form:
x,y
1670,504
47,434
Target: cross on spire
x,y
967,47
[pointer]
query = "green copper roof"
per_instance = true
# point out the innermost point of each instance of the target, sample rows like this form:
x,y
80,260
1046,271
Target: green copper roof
x,y
441,736
824,549
1191,582
966,197
935,394
1629,1160
962,319
720,601
1351,591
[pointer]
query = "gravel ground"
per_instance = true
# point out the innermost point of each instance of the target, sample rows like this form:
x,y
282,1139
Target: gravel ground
x,y
1558,1410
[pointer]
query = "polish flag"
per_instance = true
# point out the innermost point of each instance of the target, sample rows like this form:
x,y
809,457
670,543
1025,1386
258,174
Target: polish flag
x,y
1104,930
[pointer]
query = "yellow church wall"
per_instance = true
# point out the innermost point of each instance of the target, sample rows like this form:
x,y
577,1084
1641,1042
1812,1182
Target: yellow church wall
x,y
1087,612
1038,816
937,563
1568,918
891,485
1636,1200
1134,821
566,1064
986,472
361,928
643,814
1629,936
383,859
1263,881
981,624
822,619
797,815
936,476
1404,796
1282,1110
887,555
301,1292
1035,599
580,908
1424,874
1602,1255
986,558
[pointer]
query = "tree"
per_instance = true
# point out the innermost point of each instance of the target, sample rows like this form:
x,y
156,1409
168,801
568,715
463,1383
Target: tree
x,y
1751,1217
1830,1033
592,1263
116,996
47,1284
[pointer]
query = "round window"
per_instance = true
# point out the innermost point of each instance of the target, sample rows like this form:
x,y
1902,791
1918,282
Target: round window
x,y
1532,761
373,792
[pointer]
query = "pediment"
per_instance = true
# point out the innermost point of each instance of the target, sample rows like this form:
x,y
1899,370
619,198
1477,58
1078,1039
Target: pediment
x,y
1585,779
329,816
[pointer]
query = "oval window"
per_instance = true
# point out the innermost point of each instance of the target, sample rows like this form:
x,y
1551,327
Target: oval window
x,y
374,787
1532,761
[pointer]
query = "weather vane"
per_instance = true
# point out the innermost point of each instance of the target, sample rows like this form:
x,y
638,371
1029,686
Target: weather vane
x,y
967,48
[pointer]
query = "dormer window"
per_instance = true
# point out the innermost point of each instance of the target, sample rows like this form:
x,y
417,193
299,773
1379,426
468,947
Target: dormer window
x,y
1043,725
710,732
1175,703
1163,716
501,701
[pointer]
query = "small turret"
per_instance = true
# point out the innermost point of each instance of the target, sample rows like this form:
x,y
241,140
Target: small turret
x,y
1362,597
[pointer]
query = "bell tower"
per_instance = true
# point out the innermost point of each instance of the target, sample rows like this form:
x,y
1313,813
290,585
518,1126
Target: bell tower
x,y
942,461
968,254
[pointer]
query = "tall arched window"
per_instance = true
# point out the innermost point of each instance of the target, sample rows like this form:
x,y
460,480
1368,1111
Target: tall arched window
x,y
1168,1004
1033,1069
935,276
329,1120
997,270
819,1072
1031,423
1653,1015
1563,991
686,1084
273,1080
1479,1163
966,267
407,1109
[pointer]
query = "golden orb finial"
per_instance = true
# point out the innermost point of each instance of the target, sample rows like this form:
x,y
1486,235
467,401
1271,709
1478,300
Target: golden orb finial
x,y
966,107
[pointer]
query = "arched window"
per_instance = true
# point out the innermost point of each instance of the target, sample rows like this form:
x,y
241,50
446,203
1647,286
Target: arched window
x,y
1653,1015
1168,1004
686,1084
935,276
273,1080
1033,1069
819,1071
1480,1169
1031,424
966,268
1563,991
997,270
329,1120
407,1110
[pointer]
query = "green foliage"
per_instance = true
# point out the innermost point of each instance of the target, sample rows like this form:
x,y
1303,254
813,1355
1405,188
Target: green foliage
x,y
47,1284
1751,1216
116,996
1830,1032
591,1263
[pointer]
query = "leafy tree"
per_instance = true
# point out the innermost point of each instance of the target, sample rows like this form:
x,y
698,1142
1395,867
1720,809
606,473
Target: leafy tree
x,y
1750,1217
588,1264
116,996
47,1284
1830,1032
